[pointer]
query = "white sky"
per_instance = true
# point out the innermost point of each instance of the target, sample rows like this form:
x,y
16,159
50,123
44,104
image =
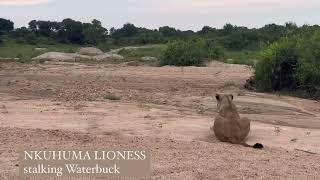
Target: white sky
x,y
182,14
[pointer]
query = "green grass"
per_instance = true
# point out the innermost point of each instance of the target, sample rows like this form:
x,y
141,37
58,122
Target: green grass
x,y
241,57
247,57
155,50
11,49
25,52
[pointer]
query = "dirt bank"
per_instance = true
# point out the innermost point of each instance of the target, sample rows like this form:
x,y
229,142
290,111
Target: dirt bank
x,y
166,109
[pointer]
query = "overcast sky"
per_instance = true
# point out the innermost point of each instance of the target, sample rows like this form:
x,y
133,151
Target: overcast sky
x,y
182,14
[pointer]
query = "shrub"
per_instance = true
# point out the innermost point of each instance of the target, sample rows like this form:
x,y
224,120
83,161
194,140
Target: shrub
x,y
291,63
190,52
214,50
277,66
309,63
184,53
150,51
242,39
105,46
111,97
128,53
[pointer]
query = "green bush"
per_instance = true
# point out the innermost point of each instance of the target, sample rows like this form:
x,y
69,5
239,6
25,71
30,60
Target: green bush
x,y
291,63
190,52
106,46
277,66
214,50
309,63
183,53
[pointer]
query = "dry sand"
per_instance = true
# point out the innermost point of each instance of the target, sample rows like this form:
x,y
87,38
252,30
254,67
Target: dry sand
x,y
167,110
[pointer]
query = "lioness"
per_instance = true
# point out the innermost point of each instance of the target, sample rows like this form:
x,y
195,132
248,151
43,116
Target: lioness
x,y
228,126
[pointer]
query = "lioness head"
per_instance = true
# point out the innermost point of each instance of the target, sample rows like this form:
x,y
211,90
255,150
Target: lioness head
x,y
223,100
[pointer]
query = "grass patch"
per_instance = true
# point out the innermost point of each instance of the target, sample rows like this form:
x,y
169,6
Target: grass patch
x,y
25,52
112,97
241,57
155,50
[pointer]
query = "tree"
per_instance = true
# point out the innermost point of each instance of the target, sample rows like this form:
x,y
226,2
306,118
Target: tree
x,y
228,29
206,30
6,25
128,30
33,25
242,39
1,38
168,31
291,28
70,31
149,37
44,28
272,32
24,35
112,30
94,32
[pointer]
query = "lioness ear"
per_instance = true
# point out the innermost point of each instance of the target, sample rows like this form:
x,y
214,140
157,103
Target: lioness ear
x,y
218,97
231,95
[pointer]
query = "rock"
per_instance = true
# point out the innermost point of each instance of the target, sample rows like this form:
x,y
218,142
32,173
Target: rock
x,y
102,57
132,63
117,57
58,56
9,59
108,56
90,51
116,51
149,58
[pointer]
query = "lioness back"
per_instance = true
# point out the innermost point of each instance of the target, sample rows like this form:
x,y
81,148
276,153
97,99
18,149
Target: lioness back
x,y
228,127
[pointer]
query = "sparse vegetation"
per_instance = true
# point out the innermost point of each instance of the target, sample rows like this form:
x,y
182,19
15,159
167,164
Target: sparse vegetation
x,y
11,49
112,97
229,83
294,140
308,133
277,130
202,109
241,93
155,50
248,57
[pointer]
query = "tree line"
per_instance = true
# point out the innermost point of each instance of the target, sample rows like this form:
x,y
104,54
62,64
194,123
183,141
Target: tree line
x,y
71,31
